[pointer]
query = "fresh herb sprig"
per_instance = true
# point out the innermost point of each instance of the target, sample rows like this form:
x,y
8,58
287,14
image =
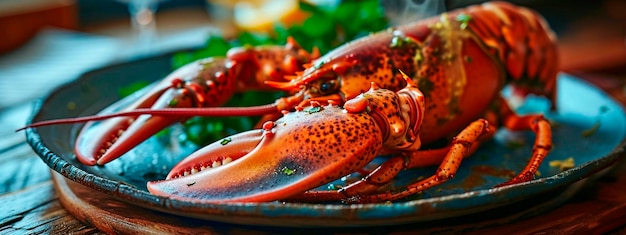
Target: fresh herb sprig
x,y
326,27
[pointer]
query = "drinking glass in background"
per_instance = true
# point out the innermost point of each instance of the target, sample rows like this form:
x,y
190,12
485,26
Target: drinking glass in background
x,y
142,15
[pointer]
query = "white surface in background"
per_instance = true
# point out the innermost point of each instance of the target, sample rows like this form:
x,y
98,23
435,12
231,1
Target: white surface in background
x,y
52,58
55,57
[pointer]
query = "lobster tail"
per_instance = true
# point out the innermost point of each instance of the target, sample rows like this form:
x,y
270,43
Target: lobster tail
x,y
522,40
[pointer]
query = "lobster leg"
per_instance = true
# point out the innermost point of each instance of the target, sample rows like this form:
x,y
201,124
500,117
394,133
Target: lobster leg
x,y
543,141
367,185
542,146
461,147
449,158
382,175
432,157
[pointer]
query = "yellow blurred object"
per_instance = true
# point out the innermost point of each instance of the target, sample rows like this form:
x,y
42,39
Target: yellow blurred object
x,y
564,164
261,15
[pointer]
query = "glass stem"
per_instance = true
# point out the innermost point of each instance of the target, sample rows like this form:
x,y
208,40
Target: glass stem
x,y
144,25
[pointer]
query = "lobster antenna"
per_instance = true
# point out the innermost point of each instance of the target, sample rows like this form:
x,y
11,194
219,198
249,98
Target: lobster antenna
x,y
208,112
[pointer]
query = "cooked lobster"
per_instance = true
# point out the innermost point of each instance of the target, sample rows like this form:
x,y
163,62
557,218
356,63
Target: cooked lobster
x,y
393,93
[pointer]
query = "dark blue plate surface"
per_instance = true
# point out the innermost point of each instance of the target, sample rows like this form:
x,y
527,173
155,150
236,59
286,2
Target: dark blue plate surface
x,y
588,127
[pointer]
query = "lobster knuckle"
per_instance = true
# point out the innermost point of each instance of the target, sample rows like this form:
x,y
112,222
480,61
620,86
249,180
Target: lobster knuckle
x,y
397,114
356,105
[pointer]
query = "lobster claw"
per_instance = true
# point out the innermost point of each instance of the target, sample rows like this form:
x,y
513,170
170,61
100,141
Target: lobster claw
x,y
283,159
102,142
300,151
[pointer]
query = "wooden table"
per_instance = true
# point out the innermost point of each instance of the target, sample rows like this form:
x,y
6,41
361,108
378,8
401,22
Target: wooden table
x,y
30,199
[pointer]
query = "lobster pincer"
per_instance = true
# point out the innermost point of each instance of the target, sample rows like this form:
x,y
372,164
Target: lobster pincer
x,y
116,136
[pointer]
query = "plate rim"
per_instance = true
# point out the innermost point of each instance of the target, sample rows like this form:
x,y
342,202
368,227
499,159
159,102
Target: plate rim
x,y
338,213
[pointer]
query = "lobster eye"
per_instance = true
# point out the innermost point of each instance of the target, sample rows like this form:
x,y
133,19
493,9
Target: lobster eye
x,y
327,86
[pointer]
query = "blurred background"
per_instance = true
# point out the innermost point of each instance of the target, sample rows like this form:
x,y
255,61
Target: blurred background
x,y
45,43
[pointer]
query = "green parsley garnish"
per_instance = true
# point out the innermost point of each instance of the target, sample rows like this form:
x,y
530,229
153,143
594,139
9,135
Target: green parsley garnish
x,y
464,20
173,103
225,141
314,109
287,171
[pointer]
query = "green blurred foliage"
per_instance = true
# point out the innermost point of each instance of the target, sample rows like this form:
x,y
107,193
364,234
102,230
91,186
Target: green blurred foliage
x,y
324,28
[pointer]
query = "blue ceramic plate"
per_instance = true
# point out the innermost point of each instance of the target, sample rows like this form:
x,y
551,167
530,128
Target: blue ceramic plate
x,y
589,127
